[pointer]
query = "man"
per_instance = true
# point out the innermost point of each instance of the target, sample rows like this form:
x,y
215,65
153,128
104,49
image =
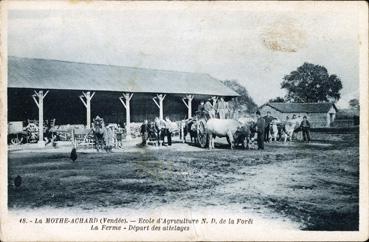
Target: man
x,y
260,128
159,127
98,121
144,132
200,109
215,106
221,108
109,138
209,110
305,126
282,128
226,110
168,130
268,119
231,109
49,136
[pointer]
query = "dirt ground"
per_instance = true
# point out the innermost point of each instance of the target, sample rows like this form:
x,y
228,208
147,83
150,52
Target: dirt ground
x,y
314,185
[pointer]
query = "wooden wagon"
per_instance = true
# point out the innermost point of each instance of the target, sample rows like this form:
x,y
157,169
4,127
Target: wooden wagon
x,y
83,137
16,133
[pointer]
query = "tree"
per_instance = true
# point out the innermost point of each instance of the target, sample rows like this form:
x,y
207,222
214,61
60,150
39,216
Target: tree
x,y
312,83
244,101
277,100
354,103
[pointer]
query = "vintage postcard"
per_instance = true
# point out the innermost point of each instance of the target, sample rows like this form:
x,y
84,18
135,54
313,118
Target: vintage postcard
x,y
184,121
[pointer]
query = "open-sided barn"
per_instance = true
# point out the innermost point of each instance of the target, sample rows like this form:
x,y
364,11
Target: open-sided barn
x,y
74,92
319,114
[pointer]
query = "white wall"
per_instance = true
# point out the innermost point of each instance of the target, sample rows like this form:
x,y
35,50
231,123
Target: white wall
x,y
317,120
333,112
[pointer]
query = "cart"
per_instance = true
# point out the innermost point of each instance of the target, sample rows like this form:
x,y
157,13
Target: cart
x,y
83,137
16,133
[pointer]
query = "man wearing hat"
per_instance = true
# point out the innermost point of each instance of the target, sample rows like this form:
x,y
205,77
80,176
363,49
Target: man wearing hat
x,y
98,122
231,109
268,119
260,128
209,109
200,109
222,108
305,126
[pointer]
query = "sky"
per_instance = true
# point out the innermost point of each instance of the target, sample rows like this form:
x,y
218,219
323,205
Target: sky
x,y
246,42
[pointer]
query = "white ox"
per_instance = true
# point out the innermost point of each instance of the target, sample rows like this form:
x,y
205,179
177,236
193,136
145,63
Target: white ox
x,y
221,128
290,127
274,129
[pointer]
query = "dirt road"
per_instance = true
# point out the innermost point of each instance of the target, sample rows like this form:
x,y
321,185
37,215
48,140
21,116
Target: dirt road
x,y
314,185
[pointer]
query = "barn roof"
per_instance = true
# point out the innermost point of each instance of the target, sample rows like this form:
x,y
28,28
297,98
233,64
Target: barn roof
x,y
302,107
55,74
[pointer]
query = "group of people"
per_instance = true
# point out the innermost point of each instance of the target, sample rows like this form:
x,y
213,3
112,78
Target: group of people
x,y
106,131
263,128
157,131
160,129
219,109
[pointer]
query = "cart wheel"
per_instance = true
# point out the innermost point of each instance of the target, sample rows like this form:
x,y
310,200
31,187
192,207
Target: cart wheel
x,y
16,140
202,134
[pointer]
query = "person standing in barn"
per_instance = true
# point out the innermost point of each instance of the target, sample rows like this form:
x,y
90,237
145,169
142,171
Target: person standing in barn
x,y
109,138
305,127
215,106
231,109
260,129
144,132
268,119
168,130
200,109
221,108
209,110
159,130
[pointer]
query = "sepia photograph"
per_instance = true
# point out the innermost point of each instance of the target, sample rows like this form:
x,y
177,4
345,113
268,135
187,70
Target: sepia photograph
x,y
184,121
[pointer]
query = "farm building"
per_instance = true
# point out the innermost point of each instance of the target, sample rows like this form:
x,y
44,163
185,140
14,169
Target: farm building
x,y
319,114
346,118
74,93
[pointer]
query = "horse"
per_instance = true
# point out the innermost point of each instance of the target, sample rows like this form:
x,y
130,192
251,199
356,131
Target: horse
x,y
99,131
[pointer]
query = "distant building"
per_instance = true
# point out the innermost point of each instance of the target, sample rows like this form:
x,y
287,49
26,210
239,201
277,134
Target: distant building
x,y
319,114
347,118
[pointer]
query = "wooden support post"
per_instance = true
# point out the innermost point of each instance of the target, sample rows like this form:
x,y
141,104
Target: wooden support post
x,y
160,97
125,99
188,104
86,100
38,97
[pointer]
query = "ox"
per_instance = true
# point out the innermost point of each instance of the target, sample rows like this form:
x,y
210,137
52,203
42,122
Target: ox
x,y
291,126
276,129
235,131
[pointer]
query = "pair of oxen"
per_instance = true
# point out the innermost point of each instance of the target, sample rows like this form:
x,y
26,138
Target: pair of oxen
x,y
283,131
241,132
237,132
